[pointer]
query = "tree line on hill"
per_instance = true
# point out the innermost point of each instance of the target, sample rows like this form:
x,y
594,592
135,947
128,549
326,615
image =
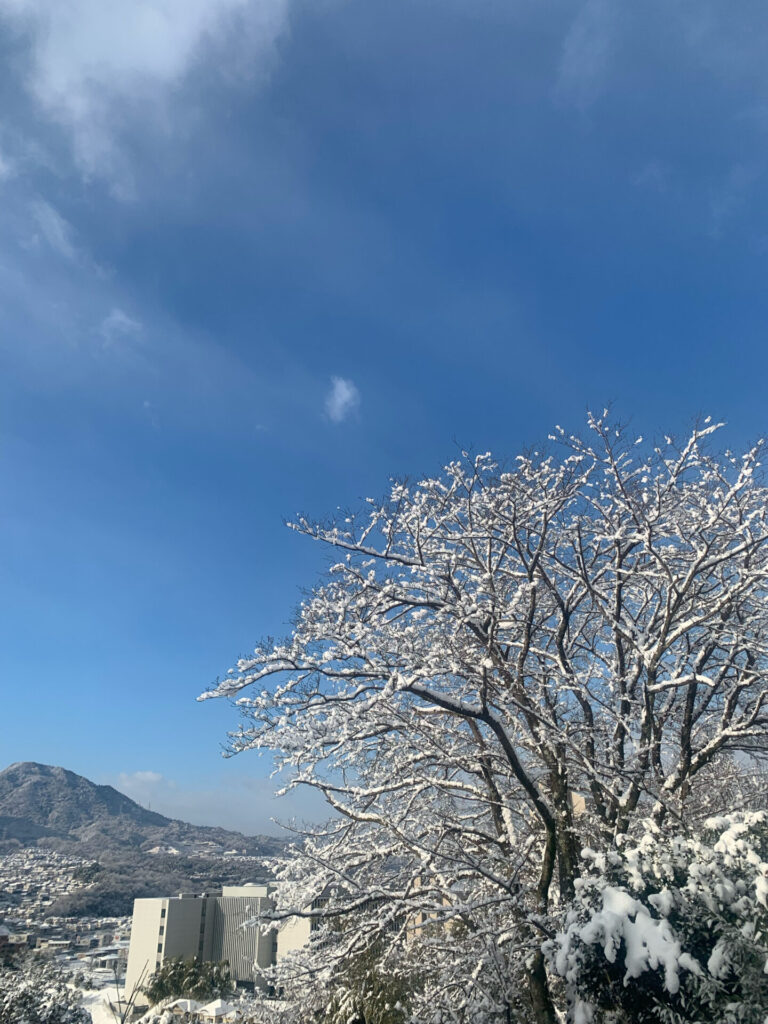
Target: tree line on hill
x,y
113,882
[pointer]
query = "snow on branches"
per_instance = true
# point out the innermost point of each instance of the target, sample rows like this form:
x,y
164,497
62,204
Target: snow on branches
x,y
507,665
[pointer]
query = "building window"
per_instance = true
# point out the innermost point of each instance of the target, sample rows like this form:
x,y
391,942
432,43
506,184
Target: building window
x,y
162,912
159,947
162,929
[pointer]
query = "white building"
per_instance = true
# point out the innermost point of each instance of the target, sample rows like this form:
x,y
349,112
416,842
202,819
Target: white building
x,y
207,927
293,935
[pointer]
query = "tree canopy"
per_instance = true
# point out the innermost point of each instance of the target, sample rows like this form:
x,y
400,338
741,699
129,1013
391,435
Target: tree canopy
x,y
508,665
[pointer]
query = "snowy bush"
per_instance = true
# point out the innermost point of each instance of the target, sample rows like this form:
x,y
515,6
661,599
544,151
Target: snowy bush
x,y
671,928
35,992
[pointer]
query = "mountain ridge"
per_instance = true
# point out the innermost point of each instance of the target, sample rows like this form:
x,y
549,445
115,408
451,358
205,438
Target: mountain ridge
x,y
52,806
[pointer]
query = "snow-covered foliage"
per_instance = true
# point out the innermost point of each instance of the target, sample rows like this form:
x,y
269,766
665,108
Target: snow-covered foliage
x,y
157,1016
368,991
176,978
35,992
260,1010
505,666
671,928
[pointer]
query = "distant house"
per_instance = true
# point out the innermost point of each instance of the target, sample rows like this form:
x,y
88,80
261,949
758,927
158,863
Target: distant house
x,y
218,1010
182,1006
111,957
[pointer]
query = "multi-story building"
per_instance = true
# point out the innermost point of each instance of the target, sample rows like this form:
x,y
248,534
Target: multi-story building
x,y
207,927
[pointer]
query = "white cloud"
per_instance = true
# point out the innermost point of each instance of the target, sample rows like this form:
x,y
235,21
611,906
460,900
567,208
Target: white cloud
x,y
89,56
117,326
342,400
56,231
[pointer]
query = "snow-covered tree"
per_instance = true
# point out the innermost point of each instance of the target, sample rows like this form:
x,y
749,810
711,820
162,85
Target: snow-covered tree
x,y
505,666
35,992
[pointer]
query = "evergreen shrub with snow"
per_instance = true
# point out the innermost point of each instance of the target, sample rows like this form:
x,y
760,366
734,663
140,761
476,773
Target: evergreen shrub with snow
x,y
671,928
364,992
177,978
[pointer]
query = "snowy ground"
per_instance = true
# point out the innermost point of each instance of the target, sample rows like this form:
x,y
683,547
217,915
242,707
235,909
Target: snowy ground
x,y
97,1003
97,999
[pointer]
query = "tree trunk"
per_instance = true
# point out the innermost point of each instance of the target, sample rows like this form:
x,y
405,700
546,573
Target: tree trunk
x,y
567,847
541,998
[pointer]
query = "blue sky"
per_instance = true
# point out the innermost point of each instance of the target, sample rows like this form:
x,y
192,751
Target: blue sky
x,y
256,256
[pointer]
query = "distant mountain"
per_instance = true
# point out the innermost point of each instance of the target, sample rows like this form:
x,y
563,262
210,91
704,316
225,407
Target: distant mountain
x,y
129,851
44,805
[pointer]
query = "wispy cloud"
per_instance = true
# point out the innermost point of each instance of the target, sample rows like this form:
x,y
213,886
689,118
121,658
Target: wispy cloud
x,y
7,169
653,175
586,55
342,400
136,780
88,57
729,197
118,326
55,230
